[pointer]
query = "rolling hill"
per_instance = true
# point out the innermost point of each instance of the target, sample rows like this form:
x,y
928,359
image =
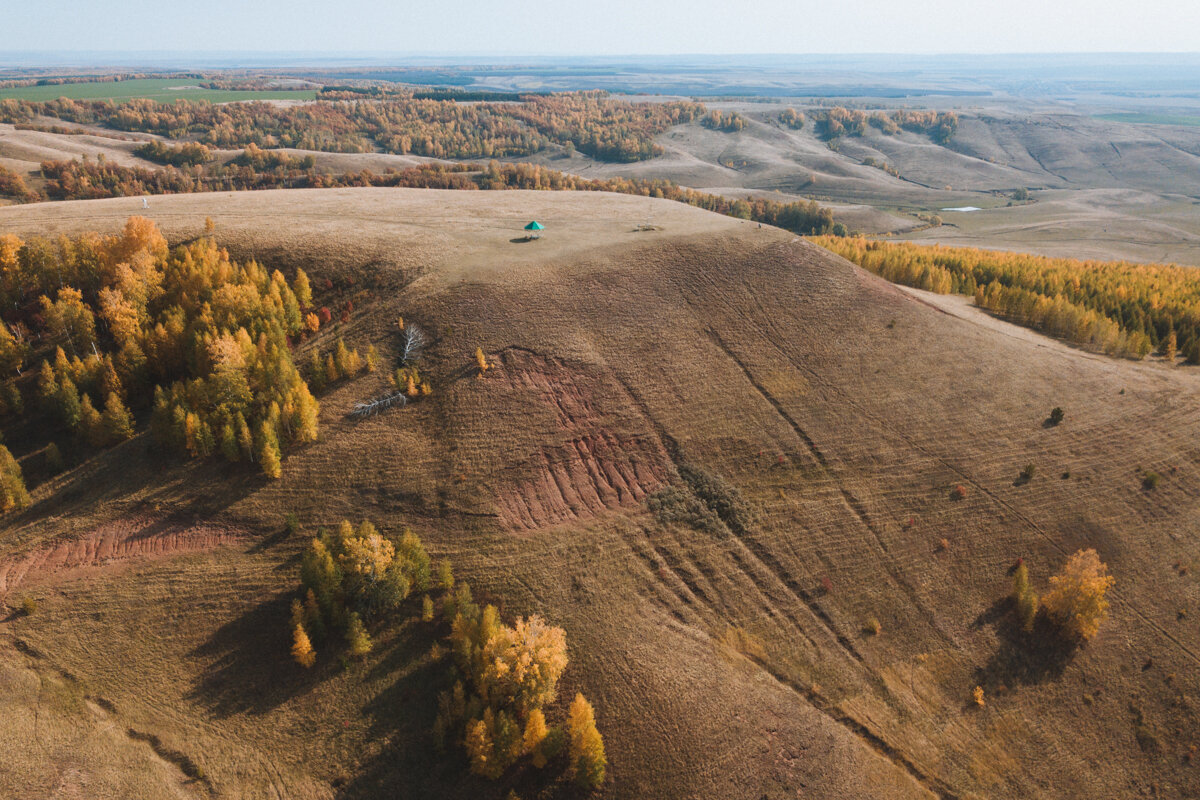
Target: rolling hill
x,y
818,635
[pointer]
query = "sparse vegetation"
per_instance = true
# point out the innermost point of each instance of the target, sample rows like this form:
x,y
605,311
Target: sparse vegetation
x,y
1150,481
792,118
1056,415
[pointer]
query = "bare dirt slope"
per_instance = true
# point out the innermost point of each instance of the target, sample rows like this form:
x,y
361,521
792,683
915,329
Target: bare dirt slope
x,y
835,413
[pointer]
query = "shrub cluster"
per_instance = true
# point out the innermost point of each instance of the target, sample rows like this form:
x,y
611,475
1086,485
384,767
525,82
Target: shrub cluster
x,y
350,578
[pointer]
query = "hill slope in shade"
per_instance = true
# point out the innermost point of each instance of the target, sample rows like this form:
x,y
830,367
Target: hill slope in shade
x,y
834,412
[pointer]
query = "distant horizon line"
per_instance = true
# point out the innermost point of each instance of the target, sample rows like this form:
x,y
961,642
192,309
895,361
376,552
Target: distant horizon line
x,y
374,54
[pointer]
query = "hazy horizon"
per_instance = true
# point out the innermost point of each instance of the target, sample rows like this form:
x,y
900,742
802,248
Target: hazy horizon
x,y
624,28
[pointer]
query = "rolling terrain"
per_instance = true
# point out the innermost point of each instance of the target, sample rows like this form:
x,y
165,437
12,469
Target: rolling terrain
x,y
1101,187
731,656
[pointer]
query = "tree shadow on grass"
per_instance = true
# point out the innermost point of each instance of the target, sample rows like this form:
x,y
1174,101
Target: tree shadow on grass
x,y
402,714
252,670
1023,658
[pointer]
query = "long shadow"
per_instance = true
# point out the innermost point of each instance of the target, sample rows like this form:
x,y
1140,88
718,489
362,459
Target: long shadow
x,y
253,671
1023,658
402,714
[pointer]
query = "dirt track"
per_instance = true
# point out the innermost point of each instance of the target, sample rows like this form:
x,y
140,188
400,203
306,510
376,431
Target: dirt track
x,y
727,660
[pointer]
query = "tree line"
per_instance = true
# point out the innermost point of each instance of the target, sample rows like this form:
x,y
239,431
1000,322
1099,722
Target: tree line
x,y
258,169
831,123
399,122
1116,307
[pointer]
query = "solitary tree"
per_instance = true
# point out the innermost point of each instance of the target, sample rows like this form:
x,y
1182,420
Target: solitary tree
x,y
1076,600
1024,596
481,360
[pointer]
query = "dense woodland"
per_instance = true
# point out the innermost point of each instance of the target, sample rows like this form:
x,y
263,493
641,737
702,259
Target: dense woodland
x,y
398,122
115,326
261,169
1116,307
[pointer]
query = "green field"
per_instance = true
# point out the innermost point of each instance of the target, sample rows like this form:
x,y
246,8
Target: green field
x,y
164,90
1138,118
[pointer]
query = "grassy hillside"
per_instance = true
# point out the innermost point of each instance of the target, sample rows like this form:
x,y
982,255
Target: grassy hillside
x,y
819,634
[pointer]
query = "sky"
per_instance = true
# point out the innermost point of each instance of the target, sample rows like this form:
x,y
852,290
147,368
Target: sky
x,y
601,27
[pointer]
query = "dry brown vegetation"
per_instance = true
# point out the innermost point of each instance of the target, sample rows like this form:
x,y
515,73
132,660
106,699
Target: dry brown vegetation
x,y
800,425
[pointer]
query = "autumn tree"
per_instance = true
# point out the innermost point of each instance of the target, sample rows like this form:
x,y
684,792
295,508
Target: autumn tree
x,y
445,575
12,350
1076,600
12,483
1023,595
302,289
302,649
481,360
268,451
68,318
90,423
1169,347
586,747
356,636
535,735
116,420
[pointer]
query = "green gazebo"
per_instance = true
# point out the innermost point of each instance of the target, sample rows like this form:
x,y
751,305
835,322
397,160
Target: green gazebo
x,y
533,229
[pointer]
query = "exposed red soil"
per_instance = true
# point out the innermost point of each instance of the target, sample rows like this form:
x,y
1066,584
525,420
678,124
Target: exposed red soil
x,y
597,468
136,538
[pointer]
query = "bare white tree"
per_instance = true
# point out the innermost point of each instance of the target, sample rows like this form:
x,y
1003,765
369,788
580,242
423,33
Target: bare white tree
x,y
369,408
412,340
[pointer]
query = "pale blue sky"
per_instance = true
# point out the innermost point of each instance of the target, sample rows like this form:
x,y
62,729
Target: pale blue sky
x,y
616,27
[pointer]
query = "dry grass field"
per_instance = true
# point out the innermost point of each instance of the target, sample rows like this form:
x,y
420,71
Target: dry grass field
x,y
731,659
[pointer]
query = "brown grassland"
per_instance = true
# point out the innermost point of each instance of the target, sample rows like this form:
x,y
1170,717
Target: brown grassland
x,y
819,633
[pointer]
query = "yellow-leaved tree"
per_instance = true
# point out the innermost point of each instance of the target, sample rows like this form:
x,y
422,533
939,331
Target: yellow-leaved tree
x,y
302,649
586,748
1076,599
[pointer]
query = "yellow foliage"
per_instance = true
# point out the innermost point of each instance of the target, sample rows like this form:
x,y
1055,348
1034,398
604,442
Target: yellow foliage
x,y
302,649
522,664
1076,599
535,733
586,749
